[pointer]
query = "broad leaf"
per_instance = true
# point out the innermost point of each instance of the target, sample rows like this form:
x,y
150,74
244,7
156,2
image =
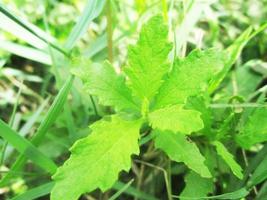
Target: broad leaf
x,y
229,159
196,186
103,82
148,59
190,76
179,149
96,160
176,119
255,130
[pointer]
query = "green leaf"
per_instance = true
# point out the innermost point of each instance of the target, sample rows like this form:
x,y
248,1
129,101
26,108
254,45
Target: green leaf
x,y
176,119
200,104
255,129
26,148
103,82
262,194
189,77
50,117
260,173
238,194
148,59
196,186
26,52
229,159
179,149
96,160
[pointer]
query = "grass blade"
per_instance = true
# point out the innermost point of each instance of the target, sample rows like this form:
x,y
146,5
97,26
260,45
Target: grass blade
x,y
259,175
35,193
92,9
53,111
28,125
49,119
11,123
234,52
117,194
26,148
238,194
133,191
263,192
26,52
193,14
25,30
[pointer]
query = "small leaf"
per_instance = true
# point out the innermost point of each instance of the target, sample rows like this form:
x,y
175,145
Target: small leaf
x,y
179,149
103,82
229,159
196,186
96,160
176,119
148,59
189,77
255,130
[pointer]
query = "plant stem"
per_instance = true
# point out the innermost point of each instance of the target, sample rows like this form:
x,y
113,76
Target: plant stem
x,y
109,31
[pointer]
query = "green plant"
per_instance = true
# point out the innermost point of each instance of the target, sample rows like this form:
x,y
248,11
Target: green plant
x,y
169,101
186,123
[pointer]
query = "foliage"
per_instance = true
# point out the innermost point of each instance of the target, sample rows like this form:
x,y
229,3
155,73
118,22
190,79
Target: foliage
x,y
176,112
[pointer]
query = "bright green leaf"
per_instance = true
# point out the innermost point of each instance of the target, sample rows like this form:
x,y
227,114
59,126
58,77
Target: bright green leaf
x,y
229,159
190,76
179,149
176,119
106,84
148,59
96,160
